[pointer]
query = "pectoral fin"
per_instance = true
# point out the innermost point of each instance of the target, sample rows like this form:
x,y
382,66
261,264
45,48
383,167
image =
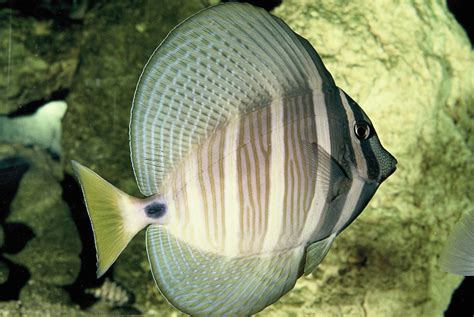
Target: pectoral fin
x,y
316,252
330,173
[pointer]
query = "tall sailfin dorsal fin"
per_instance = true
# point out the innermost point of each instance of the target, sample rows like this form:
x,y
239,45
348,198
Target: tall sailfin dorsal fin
x,y
220,63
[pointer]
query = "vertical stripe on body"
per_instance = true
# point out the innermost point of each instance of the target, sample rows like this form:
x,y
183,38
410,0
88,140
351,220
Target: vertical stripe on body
x,y
360,160
356,196
323,139
253,170
211,179
206,180
198,203
292,181
254,188
231,197
299,133
276,186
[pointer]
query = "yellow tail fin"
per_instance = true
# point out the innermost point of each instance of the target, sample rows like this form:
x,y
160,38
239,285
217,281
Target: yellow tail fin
x,y
113,214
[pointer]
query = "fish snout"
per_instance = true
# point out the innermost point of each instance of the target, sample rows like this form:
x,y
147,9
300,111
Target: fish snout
x,y
387,165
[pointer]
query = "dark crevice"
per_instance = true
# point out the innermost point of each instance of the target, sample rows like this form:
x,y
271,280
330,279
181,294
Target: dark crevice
x,y
461,302
64,13
11,171
266,4
55,156
462,11
16,235
31,107
18,276
87,278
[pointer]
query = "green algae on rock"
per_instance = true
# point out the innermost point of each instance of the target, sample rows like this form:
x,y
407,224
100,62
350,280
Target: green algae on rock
x,y
38,59
41,308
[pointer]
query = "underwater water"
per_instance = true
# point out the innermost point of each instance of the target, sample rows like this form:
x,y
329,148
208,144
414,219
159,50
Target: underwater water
x,y
68,71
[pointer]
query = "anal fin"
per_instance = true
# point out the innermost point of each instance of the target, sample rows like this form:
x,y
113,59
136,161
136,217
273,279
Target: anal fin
x,y
330,173
207,284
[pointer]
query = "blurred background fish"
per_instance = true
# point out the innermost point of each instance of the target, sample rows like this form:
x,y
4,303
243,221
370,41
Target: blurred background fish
x,y
458,254
252,160
111,292
41,128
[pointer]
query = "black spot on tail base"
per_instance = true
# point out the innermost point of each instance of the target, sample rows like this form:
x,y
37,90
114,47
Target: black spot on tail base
x,y
155,210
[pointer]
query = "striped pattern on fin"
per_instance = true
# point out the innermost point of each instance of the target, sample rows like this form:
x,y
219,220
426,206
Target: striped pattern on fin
x,y
223,62
207,284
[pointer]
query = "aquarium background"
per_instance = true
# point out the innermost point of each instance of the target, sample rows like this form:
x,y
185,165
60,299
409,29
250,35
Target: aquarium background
x,y
68,71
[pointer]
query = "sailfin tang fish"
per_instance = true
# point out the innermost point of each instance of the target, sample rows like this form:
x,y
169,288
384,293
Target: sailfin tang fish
x,y
458,254
251,158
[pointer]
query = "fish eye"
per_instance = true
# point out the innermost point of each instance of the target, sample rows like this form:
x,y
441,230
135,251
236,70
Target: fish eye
x,y
362,130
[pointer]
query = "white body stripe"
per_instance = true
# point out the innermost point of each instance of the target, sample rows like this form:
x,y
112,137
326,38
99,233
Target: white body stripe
x,y
232,203
351,203
276,189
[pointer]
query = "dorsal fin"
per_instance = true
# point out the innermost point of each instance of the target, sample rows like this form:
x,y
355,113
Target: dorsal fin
x,y
220,63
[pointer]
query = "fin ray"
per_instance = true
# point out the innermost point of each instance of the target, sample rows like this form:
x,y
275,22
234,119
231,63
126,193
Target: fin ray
x,y
458,254
326,169
206,284
210,69
105,206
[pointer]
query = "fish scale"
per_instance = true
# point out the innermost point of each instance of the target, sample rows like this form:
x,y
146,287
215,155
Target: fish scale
x,y
251,158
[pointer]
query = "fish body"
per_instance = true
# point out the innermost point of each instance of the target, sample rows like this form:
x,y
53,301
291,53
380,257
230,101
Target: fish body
x,y
252,159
